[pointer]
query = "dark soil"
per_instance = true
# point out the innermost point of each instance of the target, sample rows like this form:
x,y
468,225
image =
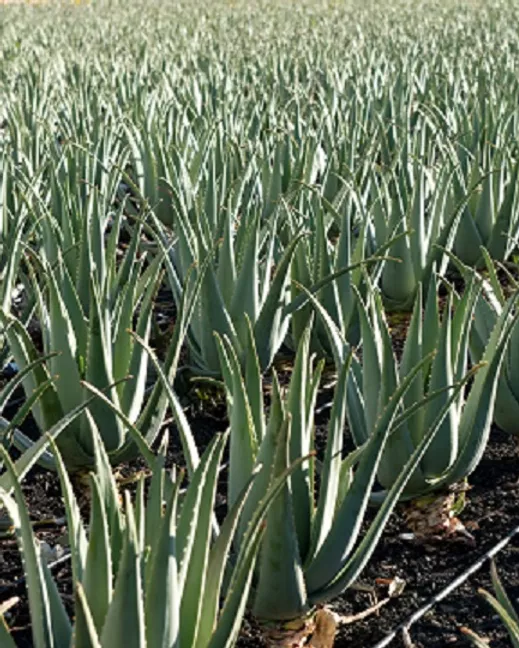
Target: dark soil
x,y
492,512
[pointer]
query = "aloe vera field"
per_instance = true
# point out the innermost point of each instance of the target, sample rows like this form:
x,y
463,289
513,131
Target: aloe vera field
x,y
259,324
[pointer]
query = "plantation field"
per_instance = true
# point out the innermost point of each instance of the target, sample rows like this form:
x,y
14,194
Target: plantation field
x,y
259,339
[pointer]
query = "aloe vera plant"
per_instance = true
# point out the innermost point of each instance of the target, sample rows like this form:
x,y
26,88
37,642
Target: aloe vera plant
x,y
503,607
491,306
412,217
240,281
462,437
36,451
147,573
311,551
490,218
86,302
316,258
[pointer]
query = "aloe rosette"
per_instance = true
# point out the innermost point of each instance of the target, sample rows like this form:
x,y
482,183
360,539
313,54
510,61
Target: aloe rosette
x,y
463,435
85,312
492,306
148,572
312,550
490,217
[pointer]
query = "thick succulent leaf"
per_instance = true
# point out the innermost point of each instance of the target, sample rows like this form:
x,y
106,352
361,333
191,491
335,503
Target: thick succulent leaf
x,y
134,434
37,593
245,300
254,386
218,558
192,508
301,484
125,624
76,532
48,410
243,442
444,447
226,632
477,414
195,553
189,447
97,576
59,619
331,472
163,620
109,496
35,449
14,383
510,622
280,592
99,373
134,390
499,242
506,603
265,458
5,638
89,637
272,324
62,338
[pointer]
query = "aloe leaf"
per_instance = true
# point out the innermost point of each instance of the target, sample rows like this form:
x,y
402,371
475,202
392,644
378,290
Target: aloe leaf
x,y
8,429
280,592
356,562
272,323
300,444
245,300
14,383
124,624
48,410
499,240
37,593
163,621
505,602
217,564
133,432
332,465
476,419
189,446
97,575
195,556
5,637
243,442
510,622
444,447
99,373
230,621
76,532
36,449
109,495
89,637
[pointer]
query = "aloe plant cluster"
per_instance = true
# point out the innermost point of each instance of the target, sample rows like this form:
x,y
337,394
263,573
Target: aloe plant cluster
x,y
294,179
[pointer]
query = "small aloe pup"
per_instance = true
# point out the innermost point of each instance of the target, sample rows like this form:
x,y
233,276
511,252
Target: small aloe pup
x,y
461,440
503,607
147,574
311,551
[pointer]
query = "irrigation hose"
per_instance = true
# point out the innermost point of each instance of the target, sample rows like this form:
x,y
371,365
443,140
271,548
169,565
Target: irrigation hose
x,y
416,616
